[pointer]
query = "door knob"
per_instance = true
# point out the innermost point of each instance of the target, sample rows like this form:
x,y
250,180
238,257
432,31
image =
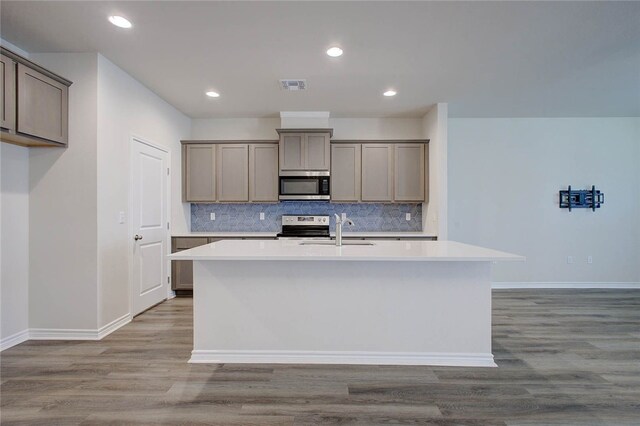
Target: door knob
x,y
137,237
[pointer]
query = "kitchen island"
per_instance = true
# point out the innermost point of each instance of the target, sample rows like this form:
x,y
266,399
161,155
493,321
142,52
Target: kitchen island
x,y
392,302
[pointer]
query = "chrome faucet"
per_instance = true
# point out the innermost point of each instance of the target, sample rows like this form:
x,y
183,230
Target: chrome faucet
x,y
339,222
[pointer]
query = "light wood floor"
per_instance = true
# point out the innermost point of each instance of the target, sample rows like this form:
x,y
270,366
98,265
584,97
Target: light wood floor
x,y
565,357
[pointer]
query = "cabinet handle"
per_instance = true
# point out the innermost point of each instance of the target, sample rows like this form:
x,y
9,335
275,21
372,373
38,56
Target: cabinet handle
x,y
137,237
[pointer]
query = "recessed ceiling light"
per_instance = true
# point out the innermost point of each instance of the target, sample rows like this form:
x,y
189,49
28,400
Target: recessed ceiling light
x,y
390,93
119,21
334,52
213,94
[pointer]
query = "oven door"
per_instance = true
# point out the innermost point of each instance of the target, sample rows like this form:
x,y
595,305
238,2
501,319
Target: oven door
x,y
304,188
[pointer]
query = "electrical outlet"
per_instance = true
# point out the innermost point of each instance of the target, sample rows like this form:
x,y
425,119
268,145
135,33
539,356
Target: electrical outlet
x,y
121,217
212,216
569,259
589,259
261,215
407,216
344,216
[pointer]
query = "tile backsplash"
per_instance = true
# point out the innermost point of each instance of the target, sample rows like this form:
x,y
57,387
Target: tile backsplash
x,y
246,217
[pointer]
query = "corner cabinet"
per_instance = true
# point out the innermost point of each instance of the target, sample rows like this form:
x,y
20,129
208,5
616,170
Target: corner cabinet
x,y
305,149
8,93
378,171
182,270
35,103
226,172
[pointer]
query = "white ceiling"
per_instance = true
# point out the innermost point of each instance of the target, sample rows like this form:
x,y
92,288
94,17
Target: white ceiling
x,y
504,59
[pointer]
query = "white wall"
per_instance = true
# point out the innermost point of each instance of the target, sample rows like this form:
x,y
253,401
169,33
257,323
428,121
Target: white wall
x,y
504,178
63,244
235,128
343,128
376,128
126,108
61,235
14,235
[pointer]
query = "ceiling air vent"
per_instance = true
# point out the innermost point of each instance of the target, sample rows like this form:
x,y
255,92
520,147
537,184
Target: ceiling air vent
x,y
293,84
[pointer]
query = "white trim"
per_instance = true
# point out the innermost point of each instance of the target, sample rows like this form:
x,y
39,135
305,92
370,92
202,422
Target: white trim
x,y
105,330
600,285
75,333
14,339
62,334
322,357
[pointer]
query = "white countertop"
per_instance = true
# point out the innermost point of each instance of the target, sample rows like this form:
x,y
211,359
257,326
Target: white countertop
x,y
422,251
406,234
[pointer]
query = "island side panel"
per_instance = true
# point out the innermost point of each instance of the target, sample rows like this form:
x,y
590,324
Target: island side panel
x,y
356,312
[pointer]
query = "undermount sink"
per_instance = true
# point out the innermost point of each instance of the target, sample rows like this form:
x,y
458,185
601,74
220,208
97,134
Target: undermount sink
x,y
333,243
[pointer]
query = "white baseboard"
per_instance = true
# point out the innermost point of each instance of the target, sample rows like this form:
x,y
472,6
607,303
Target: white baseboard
x,y
598,285
321,357
64,333
114,325
14,339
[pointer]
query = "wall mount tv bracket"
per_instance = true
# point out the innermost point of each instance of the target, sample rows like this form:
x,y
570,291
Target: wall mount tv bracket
x,y
581,199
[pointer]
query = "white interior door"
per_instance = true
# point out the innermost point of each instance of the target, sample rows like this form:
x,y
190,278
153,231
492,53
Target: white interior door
x,y
149,200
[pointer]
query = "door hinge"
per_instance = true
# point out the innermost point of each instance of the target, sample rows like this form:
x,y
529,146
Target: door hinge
x,y
168,280
167,225
167,171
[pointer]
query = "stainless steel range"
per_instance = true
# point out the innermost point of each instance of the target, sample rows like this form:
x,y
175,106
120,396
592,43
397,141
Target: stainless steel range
x,y
304,227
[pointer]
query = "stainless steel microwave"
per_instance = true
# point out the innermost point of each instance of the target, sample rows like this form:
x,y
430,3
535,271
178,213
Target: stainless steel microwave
x,y
305,186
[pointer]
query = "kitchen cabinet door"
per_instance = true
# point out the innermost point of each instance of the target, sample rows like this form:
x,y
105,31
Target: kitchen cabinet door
x,y
7,93
317,151
199,173
233,172
43,105
409,172
292,151
182,270
377,172
263,172
345,172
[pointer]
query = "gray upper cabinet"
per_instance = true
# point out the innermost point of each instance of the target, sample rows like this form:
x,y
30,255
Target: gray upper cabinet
x,y
377,172
345,172
318,151
263,172
292,152
7,93
233,172
409,171
43,105
198,172
34,103
229,172
305,150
